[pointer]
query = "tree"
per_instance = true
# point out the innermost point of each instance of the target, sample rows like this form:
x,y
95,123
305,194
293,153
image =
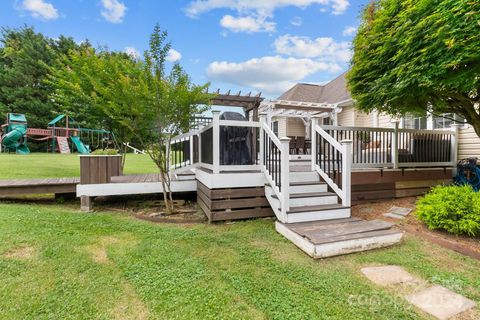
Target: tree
x,y
25,60
418,56
136,99
167,110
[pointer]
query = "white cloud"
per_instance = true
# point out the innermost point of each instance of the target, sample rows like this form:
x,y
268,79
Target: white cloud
x,y
266,7
40,9
256,15
132,52
173,55
271,74
323,48
296,21
113,10
349,31
247,24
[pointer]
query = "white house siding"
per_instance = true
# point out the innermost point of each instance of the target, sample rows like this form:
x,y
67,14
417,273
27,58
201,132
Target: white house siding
x,y
346,118
282,126
468,143
384,121
295,127
363,119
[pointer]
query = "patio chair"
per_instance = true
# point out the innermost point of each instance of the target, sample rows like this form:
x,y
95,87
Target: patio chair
x,y
292,145
300,145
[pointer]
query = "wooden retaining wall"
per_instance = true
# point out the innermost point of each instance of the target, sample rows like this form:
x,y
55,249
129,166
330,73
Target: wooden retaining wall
x,y
233,203
377,184
99,169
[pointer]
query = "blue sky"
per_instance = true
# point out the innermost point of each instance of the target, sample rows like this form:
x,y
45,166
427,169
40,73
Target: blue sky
x,y
250,45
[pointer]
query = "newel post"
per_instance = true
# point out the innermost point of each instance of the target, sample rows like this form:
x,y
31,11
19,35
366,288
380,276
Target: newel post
x,y
199,135
454,146
285,175
216,141
395,144
263,120
313,138
347,173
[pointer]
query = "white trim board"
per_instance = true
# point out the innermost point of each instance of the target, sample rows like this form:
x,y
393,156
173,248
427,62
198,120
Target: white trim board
x,y
120,189
231,179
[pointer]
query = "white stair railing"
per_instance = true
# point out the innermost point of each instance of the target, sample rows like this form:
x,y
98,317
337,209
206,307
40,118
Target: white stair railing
x,y
274,161
333,161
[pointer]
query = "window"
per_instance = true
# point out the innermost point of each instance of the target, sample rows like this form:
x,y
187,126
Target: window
x,y
275,127
446,120
414,122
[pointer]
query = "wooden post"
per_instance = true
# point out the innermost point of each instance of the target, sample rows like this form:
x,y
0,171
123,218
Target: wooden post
x,y
263,120
86,204
191,149
395,144
454,154
216,141
313,138
285,178
347,173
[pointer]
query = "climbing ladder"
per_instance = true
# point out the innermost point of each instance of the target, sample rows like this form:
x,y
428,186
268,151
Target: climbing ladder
x,y
63,146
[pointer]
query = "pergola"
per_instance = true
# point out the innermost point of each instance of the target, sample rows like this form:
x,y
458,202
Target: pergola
x,y
248,102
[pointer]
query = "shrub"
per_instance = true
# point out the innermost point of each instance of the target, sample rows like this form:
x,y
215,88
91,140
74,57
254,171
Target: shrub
x,y
455,209
105,152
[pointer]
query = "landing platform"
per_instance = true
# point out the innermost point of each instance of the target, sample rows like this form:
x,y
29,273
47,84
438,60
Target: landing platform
x,y
321,239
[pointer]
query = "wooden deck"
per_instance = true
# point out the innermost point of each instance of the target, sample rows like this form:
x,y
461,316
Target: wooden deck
x,y
63,185
321,239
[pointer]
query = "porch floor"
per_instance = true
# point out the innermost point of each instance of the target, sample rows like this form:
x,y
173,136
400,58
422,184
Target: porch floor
x,y
321,239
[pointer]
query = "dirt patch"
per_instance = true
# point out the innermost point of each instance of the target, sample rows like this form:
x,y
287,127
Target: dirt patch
x,y
98,250
129,306
21,253
370,211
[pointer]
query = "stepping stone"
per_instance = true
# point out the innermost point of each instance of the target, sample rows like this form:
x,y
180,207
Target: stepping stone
x,y
440,302
397,212
388,275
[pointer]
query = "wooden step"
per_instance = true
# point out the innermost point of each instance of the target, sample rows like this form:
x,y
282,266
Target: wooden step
x,y
321,239
308,195
326,207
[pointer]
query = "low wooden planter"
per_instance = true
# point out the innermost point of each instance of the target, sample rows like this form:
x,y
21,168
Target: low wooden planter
x,y
99,169
233,203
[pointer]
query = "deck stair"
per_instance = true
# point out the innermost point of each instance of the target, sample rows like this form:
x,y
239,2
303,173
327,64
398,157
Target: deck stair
x,y
310,199
319,224
63,145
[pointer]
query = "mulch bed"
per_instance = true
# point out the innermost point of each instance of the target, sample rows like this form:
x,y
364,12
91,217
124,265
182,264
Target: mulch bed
x,y
369,211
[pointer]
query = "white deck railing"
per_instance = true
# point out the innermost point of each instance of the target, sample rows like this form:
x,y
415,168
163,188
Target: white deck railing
x,y
275,164
398,148
333,161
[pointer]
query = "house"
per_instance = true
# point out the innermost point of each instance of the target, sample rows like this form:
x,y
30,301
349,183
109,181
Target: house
x,y
290,114
248,168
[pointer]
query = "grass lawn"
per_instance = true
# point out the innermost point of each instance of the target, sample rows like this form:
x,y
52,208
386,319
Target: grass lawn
x,y
57,263
54,165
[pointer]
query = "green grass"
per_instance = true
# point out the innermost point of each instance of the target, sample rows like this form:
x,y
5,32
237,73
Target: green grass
x,y
54,165
57,263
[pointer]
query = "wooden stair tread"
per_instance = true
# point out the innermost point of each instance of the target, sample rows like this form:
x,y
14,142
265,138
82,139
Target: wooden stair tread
x,y
356,236
307,183
332,231
308,195
315,208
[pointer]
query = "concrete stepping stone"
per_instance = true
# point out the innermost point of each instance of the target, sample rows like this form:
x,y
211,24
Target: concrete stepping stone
x,y
397,212
388,275
440,302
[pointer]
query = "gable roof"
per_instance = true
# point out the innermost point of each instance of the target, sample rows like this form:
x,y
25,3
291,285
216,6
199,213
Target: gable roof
x,y
333,92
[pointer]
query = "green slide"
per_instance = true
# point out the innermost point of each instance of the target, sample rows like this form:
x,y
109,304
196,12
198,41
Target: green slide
x,y
13,140
81,148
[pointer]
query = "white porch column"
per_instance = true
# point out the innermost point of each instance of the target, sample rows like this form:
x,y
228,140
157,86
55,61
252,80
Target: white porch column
x,y
285,178
200,127
263,120
313,125
216,141
395,144
454,155
347,173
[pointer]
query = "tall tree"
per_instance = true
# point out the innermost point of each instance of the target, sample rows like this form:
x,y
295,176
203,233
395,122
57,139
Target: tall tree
x,y
418,56
25,60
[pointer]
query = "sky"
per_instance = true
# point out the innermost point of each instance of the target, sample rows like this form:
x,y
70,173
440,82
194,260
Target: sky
x,y
250,45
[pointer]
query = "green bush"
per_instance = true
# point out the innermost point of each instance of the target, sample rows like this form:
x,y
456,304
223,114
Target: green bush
x,y
106,152
455,209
